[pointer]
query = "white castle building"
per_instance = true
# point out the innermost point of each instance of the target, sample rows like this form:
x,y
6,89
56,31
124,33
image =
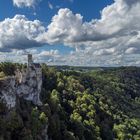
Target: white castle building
x,y
27,83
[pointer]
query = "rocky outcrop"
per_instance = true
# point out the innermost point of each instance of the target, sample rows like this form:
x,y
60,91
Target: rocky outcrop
x,y
27,86
8,91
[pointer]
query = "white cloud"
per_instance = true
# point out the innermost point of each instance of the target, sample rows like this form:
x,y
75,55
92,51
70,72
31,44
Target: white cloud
x,y
42,56
64,27
100,52
25,3
49,53
111,37
112,40
115,21
20,33
132,50
50,5
47,56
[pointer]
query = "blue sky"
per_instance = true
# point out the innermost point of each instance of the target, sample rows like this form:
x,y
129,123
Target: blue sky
x,y
72,32
88,8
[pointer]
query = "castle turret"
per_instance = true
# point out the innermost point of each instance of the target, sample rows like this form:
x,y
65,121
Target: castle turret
x,y
30,60
27,83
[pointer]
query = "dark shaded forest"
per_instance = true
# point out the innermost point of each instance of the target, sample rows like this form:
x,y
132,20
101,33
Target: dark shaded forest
x,y
87,105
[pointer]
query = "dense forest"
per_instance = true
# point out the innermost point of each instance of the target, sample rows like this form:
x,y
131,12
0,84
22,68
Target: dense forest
x,y
77,105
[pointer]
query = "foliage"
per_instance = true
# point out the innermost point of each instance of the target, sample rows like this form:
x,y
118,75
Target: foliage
x,y
102,104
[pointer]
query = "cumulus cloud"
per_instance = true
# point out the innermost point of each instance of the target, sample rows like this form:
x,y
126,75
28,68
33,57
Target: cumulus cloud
x,y
42,56
25,3
20,33
48,56
49,53
114,39
115,22
64,27
115,35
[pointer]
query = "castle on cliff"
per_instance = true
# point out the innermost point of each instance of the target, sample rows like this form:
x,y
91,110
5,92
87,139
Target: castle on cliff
x,y
33,71
27,84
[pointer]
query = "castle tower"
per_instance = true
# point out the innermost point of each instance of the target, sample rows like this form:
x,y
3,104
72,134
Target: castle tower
x,y
30,60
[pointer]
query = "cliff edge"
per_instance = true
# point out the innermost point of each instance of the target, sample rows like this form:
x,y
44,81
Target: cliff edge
x,y
26,83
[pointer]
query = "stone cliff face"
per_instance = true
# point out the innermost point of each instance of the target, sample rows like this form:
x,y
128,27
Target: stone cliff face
x,y
26,84
7,91
22,114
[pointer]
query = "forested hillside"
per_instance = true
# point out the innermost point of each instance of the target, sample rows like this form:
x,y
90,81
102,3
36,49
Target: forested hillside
x,y
90,105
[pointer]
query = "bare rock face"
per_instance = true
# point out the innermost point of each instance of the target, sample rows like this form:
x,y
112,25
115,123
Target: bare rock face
x,y
7,91
26,84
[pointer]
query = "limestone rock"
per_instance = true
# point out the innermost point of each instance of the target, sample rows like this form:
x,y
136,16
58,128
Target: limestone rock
x,y
26,84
